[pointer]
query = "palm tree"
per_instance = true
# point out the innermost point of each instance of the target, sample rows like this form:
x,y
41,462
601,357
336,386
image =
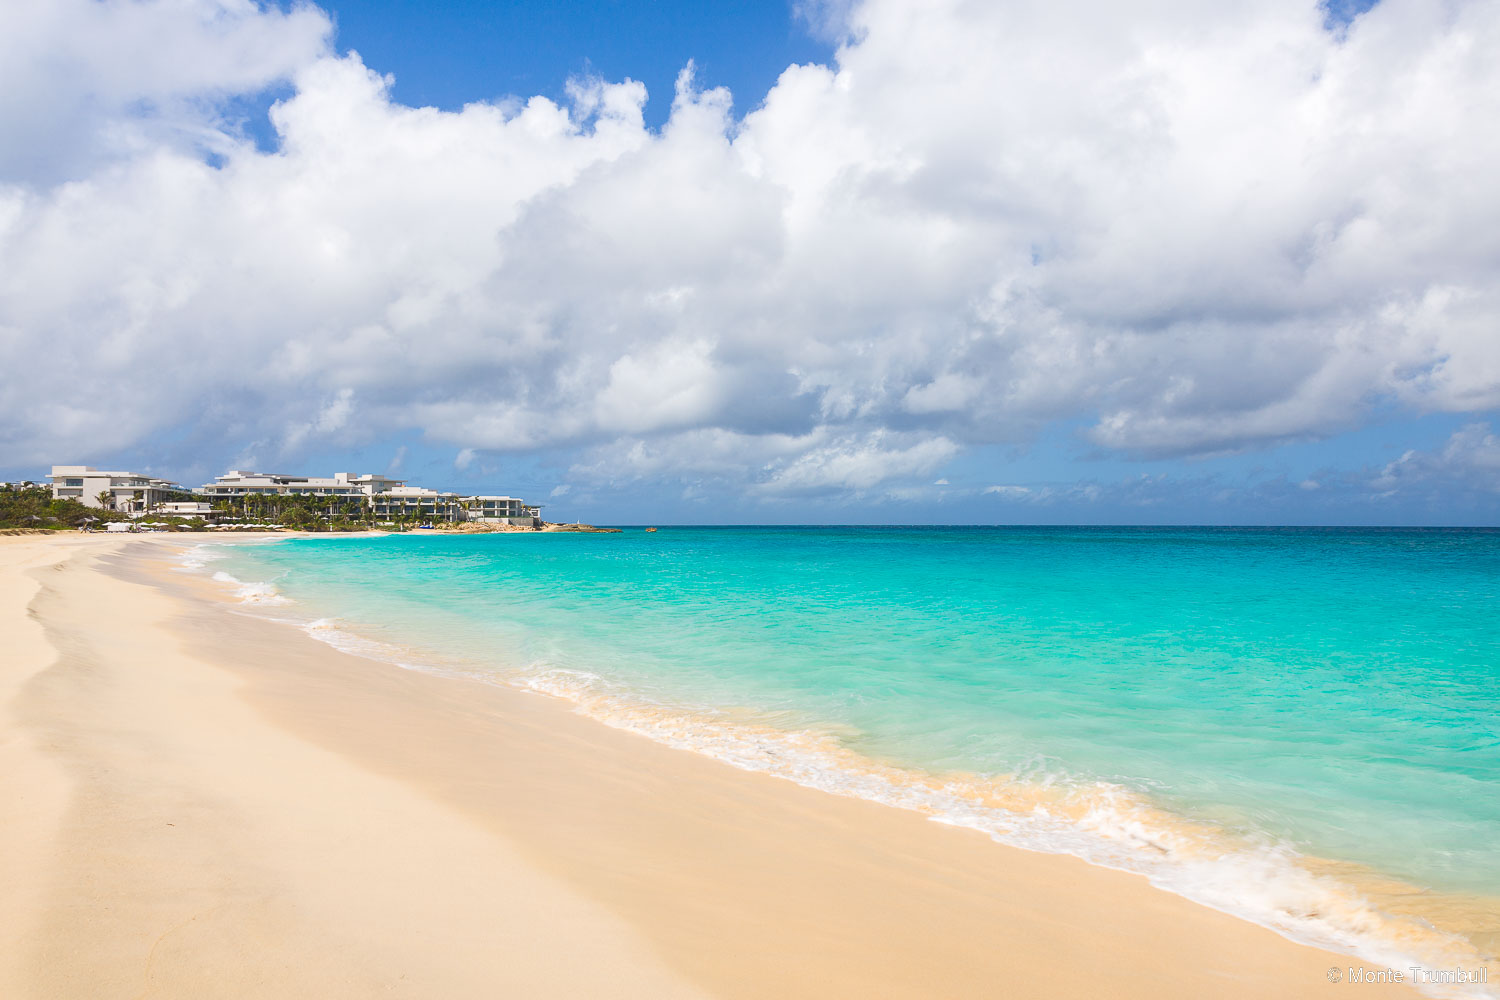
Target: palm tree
x,y
106,500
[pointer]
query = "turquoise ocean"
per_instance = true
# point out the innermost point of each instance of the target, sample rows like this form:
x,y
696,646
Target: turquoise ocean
x,y
1300,726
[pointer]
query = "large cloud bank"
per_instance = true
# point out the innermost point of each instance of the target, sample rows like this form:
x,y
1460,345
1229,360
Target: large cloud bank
x,y
1185,228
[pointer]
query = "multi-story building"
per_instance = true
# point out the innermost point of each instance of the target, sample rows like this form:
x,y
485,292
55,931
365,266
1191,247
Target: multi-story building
x,y
500,510
418,502
347,484
123,491
386,498
186,508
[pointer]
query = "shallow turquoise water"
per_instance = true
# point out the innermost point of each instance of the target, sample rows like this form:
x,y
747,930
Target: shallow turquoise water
x,y
1333,690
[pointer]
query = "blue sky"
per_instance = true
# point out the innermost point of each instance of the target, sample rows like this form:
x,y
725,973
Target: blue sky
x,y
449,54
1022,262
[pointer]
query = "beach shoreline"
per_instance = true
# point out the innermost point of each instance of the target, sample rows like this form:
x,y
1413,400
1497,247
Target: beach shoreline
x,y
193,779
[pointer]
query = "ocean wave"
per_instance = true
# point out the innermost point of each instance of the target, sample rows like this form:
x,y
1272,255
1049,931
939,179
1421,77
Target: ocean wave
x,y
254,592
198,557
333,632
1105,824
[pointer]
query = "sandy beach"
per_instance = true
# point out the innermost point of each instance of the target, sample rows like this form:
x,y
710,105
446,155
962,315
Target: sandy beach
x,y
205,804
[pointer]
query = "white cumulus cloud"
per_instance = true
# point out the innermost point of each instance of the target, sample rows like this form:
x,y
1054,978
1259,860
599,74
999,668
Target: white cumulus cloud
x,y
1189,228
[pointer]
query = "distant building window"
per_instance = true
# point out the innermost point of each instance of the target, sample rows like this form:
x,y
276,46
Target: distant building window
x,y
73,482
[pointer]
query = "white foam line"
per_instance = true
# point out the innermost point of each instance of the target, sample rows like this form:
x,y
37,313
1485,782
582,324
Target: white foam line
x,y
1261,883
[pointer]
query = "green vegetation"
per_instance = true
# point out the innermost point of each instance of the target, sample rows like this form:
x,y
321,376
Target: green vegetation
x,y
309,512
34,507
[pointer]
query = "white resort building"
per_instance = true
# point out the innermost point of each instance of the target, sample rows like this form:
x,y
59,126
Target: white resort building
x,y
186,508
346,484
500,510
129,492
385,498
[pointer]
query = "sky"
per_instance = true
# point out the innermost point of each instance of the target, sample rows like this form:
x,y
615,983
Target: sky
x,y
850,261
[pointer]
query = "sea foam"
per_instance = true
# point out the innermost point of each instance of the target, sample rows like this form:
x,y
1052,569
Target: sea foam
x,y
1267,883
1044,809
253,592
